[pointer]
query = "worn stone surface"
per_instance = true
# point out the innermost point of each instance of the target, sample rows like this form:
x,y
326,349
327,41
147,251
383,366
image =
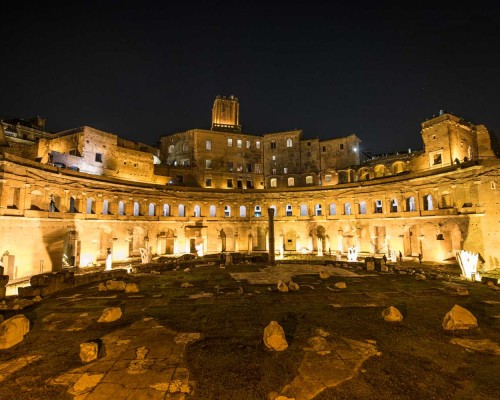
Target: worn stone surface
x,y
110,314
274,337
12,331
481,345
293,286
327,364
282,287
89,351
392,314
8,368
131,288
459,318
115,285
340,285
286,272
142,361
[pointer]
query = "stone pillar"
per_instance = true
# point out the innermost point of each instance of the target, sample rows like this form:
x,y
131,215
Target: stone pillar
x,y
270,212
250,243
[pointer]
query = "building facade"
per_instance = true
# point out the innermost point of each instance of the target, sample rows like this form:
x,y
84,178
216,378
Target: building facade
x,y
432,202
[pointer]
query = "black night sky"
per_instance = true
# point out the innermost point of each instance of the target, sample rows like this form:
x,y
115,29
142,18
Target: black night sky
x,y
142,70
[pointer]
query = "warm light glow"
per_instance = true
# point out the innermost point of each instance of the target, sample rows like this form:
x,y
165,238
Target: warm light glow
x,y
199,249
87,259
352,254
468,264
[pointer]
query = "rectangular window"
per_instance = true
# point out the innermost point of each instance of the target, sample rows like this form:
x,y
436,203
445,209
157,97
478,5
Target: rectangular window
x,y
239,143
180,179
273,157
257,144
328,178
285,170
249,185
208,164
229,183
208,145
273,144
248,144
257,168
249,167
72,152
239,184
230,166
229,142
437,159
208,182
98,157
239,167
274,171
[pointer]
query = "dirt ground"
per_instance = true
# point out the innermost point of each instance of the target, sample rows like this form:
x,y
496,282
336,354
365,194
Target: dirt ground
x,y
416,358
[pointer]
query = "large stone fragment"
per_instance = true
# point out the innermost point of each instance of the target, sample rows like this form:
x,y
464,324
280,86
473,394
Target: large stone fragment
x,y
324,274
459,318
340,285
293,286
274,337
12,331
115,285
131,288
110,314
392,314
89,351
282,287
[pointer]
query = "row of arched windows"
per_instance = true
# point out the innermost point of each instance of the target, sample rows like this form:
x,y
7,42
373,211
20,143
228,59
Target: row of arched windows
x,y
289,210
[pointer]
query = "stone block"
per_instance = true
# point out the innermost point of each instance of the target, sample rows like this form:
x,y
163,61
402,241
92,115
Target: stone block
x,y
12,331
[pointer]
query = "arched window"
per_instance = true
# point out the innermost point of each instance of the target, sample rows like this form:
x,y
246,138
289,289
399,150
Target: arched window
x,y
394,205
317,210
243,211
428,206
166,210
410,204
309,180
182,210
227,211
90,206
152,209
378,207
72,205
333,209
105,207
446,200
291,181
362,207
303,210
136,208
257,212
274,182
347,209
213,211
288,211
171,149
121,208
289,142
197,211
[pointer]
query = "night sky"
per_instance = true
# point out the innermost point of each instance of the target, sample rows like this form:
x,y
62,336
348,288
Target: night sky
x,y
142,70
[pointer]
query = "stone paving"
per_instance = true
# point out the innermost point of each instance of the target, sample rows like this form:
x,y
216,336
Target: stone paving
x,y
143,361
285,272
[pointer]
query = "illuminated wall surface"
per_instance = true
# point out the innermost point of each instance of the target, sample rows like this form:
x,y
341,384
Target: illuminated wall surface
x,y
119,198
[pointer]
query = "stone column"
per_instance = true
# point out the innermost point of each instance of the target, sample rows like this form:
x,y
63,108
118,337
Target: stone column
x,y
270,212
